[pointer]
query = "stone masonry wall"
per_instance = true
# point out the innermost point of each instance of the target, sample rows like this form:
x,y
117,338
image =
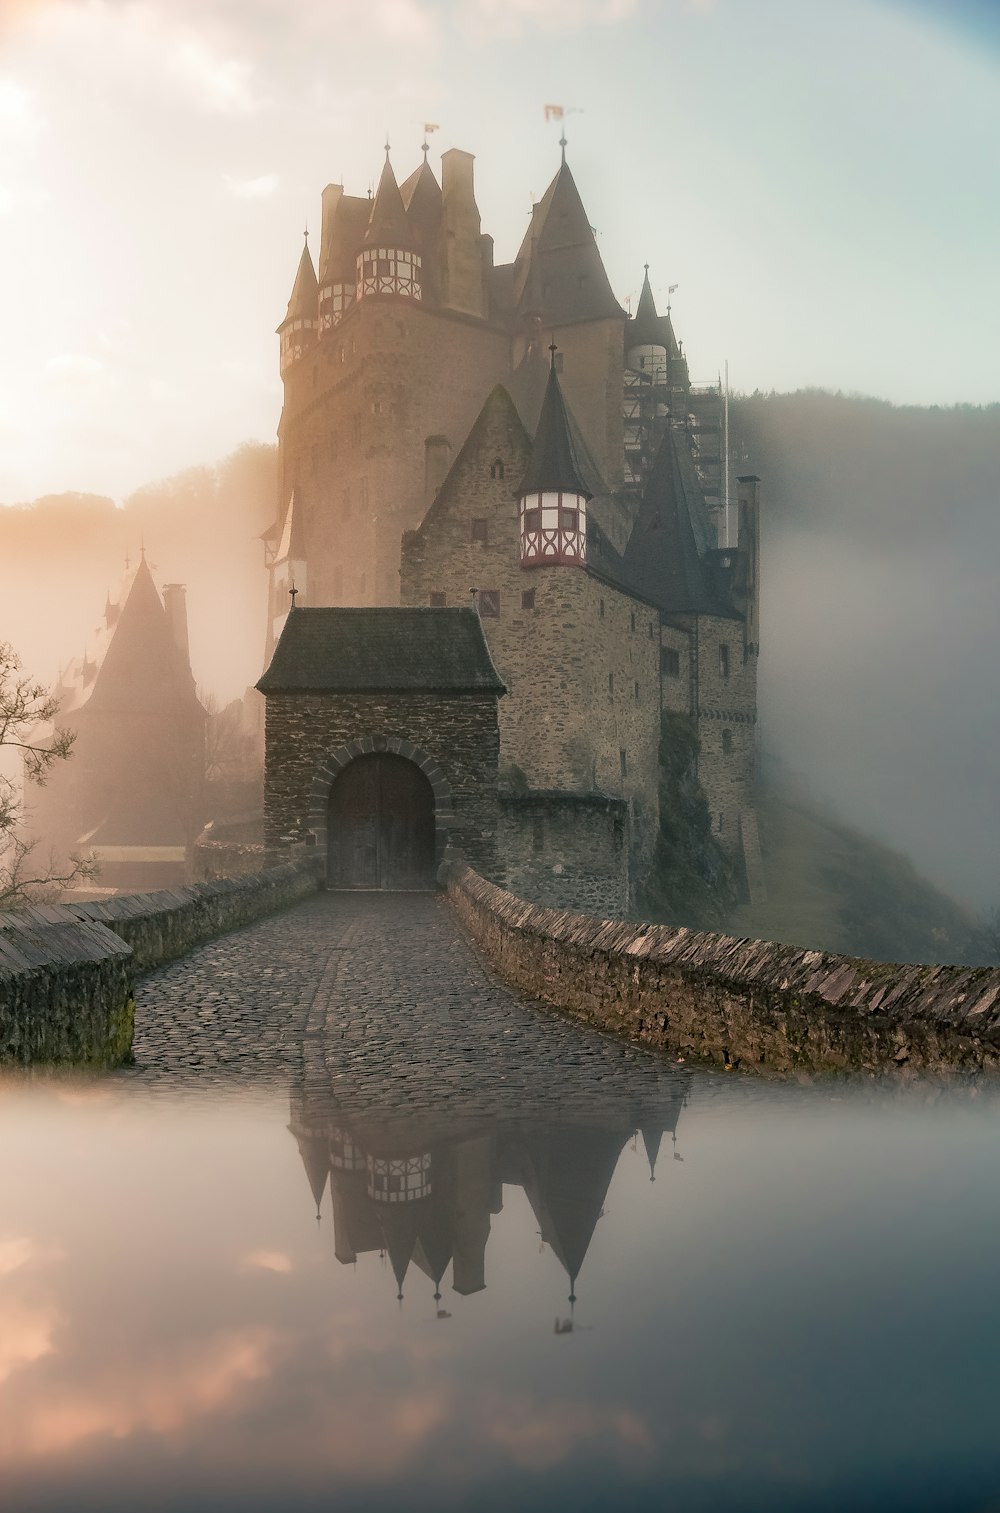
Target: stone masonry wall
x,y
65,992
726,715
580,658
66,970
457,732
566,852
357,411
753,1004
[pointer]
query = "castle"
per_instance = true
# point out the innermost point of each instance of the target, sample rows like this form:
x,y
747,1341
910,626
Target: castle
x,y
458,432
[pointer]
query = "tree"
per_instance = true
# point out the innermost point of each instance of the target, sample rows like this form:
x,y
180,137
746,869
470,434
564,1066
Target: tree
x,y
26,709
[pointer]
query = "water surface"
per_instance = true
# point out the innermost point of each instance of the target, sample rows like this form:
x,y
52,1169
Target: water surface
x,y
800,1312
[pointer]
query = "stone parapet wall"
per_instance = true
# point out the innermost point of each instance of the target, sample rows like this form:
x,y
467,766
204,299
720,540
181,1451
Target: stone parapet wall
x,y
566,851
163,925
65,992
66,970
754,1004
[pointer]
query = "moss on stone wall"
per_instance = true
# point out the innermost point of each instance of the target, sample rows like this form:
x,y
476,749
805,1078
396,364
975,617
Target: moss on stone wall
x,y
690,881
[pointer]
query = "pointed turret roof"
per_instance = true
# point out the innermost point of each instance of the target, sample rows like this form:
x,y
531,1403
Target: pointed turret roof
x,y
575,285
421,194
388,223
314,1149
647,328
143,669
292,546
303,302
665,555
554,464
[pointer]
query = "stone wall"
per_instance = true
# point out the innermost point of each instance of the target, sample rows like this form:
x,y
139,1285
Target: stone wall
x,y
456,732
66,970
579,657
357,412
65,992
163,925
726,714
567,851
752,1004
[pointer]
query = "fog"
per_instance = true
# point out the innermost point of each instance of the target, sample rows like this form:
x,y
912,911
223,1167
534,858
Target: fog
x,y
879,680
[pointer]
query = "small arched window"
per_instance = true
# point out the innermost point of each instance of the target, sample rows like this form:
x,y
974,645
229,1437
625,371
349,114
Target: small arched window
x,y
727,741
496,468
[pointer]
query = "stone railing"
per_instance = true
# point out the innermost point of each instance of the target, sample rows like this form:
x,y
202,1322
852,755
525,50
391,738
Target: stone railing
x,y
67,970
755,1004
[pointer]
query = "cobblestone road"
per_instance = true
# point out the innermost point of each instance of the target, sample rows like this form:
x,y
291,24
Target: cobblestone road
x,y
385,998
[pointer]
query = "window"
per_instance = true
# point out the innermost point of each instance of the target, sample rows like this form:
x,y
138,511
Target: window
x,y
496,468
723,659
600,610
480,530
623,762
532,520
538,833
611,685
652,631
632,617
637,691
727,741
489,603
568,520
670,661
528,599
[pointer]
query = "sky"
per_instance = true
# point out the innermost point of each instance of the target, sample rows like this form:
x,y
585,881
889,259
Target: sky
x,y
818,179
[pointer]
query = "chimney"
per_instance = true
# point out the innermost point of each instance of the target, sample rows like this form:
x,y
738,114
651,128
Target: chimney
x,y
464,282
331,199
176,610
437,460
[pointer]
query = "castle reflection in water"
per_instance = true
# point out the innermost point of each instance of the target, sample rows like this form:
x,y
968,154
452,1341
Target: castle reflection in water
x,y
421,1187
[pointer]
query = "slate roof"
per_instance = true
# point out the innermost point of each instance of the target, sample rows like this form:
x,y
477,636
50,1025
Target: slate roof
x,y
304,298
647,329
388,224
574,283
555,463
665,556
385,650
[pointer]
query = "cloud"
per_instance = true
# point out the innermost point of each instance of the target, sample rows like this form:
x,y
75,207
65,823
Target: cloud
x,y
159,1400
74,368
260,188
219,83
19,118
268,1260
511,17
26,1334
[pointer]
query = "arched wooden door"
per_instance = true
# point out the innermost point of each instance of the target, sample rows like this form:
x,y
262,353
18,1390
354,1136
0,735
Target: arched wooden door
x,y
380,828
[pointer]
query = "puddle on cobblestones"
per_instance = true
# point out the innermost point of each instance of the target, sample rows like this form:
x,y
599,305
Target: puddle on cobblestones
x,y
497,1307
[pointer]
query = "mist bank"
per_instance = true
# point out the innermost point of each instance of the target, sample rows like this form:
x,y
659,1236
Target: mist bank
x,y
879,683
62,554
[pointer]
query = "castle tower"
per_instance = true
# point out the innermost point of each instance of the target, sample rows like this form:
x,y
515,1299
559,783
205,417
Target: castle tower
x,y
553,497
388,262
300,327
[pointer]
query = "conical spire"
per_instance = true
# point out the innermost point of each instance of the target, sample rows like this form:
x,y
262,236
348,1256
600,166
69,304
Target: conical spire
x,y
665,555
554,466
388,224
573,276
645,311
304,299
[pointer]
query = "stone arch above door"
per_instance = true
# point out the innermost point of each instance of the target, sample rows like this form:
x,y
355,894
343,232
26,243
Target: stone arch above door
x,y
332,765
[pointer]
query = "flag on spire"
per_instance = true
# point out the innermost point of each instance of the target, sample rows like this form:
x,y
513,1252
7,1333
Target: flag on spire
x,y
554,112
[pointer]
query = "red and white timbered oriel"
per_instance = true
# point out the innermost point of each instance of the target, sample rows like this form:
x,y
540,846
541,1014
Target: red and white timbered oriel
x,y
553,528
